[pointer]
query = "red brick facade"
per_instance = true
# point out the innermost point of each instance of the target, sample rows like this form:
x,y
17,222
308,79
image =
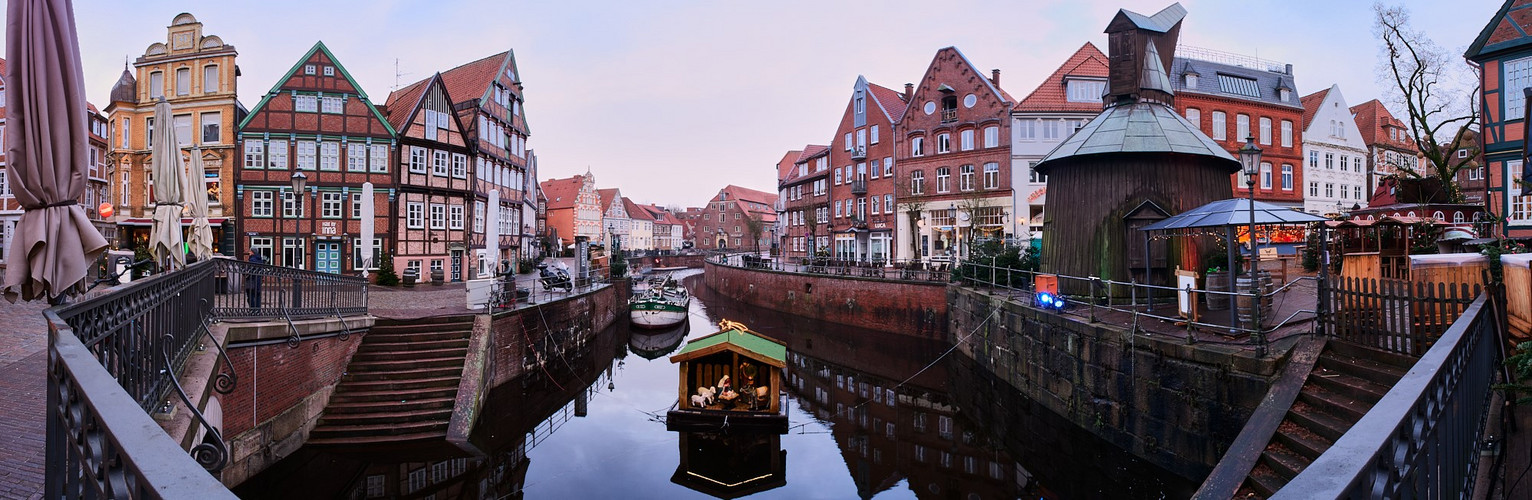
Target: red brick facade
x,y
805,196
918,309
723,225
274,377
862,206
1277,153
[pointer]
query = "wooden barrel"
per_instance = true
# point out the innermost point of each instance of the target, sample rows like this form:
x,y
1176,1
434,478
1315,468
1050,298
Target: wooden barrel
x,y
1243,300
1218,282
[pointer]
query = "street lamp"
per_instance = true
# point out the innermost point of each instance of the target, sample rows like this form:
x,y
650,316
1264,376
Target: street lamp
x,y
1250,162
299,181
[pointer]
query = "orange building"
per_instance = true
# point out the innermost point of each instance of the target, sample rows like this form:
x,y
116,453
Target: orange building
x,y
573,209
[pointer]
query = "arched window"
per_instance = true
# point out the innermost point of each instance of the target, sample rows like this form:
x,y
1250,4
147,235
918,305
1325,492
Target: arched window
x,y
1457,217
1439,216
1411,214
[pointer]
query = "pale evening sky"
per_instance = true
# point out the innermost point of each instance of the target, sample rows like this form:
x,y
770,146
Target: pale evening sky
x,y
671,100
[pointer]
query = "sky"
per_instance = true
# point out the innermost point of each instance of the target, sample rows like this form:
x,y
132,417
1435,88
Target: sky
x,y
671,100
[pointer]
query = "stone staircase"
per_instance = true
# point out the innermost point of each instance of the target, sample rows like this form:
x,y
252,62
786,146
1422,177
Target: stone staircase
x,y
400,386
1347,380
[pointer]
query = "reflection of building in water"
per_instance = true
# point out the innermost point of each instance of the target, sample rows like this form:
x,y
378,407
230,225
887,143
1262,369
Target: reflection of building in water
x,y
888,432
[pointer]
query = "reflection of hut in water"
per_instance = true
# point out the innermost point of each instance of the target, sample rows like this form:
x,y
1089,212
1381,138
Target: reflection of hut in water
x,y
733,378
731,465
1134,164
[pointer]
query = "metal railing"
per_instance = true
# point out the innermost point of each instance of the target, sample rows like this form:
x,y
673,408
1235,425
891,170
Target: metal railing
x,y
1422,440
887,269
114,359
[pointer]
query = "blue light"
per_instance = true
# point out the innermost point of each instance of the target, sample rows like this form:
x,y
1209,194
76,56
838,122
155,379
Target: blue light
x,y
1048,300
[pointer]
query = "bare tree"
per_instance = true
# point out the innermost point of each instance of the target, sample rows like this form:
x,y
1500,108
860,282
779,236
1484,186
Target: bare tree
x,y
912,205
1438,98
754,226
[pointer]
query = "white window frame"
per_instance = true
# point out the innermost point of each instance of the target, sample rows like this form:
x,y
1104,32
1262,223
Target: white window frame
x,y
455,217
330,204
356,157
261,202
378,158
418,159
1220,126
276,155
305,103
459,166
438,216
307,154
414,215
992,136
439,163
329,156
255,154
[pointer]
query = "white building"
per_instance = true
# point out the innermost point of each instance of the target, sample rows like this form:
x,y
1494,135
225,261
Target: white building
x,y
1065,101
1335,155
615,223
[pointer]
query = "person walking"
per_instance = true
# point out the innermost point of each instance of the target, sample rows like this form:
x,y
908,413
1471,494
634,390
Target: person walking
x,y
253,282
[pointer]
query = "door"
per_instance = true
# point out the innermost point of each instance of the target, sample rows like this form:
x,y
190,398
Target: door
x,y
327,257
457,265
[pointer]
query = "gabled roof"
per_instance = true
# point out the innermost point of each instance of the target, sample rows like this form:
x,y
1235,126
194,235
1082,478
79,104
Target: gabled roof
x,y
743,193
319,47
785,165
1371,116
1087,62
561,193
401,103
736,338
636,211
1162,21
1508,29
980,74
1311,104
1210,73
892,103
472,80
607,196
812,151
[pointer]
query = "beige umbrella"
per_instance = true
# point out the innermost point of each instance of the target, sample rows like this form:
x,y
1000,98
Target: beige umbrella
x,y
201,239
165,240
54,244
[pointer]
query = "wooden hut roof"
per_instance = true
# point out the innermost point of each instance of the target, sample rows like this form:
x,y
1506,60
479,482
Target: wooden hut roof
x,y
735,337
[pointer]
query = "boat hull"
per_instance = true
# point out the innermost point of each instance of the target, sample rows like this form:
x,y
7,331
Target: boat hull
x,y
657,314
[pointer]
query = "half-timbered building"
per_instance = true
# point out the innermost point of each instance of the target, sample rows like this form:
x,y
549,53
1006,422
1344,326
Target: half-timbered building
x,y
434,191
315,121
488,101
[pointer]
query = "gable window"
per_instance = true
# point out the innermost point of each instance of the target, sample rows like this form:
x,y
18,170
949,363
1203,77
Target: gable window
x,y
306,103
917,146
439,165
356,157
183,81
1085,90
991,175
255,153
210,79
943,176
848,141
331,104
949,108
212,126
277,155
1220,126
874,134
414,217
918,182
967,139
308,69
329,71
417,159
943,143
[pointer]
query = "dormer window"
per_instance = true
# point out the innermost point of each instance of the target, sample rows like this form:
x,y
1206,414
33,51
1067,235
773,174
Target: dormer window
x,y
1282,94
1079,90
1191,80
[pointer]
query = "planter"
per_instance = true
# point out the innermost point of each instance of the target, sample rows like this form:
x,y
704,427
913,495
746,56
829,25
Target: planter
x,y
1218,282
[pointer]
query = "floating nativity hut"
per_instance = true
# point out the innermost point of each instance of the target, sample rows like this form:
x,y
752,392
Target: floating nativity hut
x,y
1134,164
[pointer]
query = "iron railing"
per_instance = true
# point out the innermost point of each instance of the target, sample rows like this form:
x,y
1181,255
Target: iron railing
x,y
888,269
247,290
1422,440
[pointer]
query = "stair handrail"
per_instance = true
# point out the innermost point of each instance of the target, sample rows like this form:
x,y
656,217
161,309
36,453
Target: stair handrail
x,y
295,339
224,382
214,455
345,330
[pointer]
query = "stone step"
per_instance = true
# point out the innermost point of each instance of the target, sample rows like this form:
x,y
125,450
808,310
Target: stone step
x,y
353,407
1301,440
1369,370
1284,462
344,395
404,375
1347,385
390,417
1318,421
1348,408
424,327
362,357
412,337
405,364
421,345
1264,481
340,442
397,385
368,430
1358,351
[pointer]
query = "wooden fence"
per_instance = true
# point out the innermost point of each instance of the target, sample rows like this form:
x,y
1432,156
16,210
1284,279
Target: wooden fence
x,y
1395,315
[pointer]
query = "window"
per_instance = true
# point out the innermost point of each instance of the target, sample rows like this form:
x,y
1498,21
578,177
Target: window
x,y
331,104
918,182
372,260
967,140
917,146
1050,129
417,159
861,140
329,71
1345,163
356,157
1518,75
255,153
1265,131
439,166
261,245
292,206
1357,190
1220,126
415,215
277,157
183,81
125,201
438,216
1194,116
1265,175
356,205
1287,177
156,84
888,203
183,125
837,176
306,104
1314,189
1034,175
1241,127
260,203
478,216
1287,134
459,166
308,69
1329,190
1344,193
1191,80
965,178
1085,90
330,203
306,155
991,175
837,209
1231,84
848,141
329,156
943,143
943,174
874,134
455,217
1313,159
149,132
127,130
888,166
1026,130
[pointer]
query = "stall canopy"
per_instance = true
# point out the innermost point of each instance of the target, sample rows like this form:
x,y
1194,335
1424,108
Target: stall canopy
x,y
1233,212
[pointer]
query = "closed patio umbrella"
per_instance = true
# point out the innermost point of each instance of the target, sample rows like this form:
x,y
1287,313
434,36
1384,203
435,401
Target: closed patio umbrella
x,y
54,243
201,239
165,236
369,229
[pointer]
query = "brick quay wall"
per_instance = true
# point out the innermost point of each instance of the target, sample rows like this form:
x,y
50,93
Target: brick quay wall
x,y
903,307
1177,406
539,333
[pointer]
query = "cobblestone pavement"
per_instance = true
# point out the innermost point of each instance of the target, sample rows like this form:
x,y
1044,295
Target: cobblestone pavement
x,y
23,368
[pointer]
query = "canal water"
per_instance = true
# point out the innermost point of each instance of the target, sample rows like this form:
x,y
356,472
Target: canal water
x,y
871,415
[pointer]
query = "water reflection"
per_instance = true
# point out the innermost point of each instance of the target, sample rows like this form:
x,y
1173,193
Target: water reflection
x,y
870,415
654,344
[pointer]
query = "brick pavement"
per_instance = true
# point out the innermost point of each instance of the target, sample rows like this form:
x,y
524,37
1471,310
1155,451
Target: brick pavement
x,y
23,368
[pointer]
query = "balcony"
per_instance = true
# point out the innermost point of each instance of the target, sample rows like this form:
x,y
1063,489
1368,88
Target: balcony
x,y
949,115
859,153
859,187
859,222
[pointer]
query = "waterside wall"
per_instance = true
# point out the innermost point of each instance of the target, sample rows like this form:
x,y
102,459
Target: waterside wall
x,y
905,307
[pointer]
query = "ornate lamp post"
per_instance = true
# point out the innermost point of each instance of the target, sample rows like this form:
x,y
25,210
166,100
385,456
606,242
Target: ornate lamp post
x,y
1250,162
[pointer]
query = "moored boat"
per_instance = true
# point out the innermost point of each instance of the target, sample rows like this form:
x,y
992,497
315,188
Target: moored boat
x,y
664,303
731,379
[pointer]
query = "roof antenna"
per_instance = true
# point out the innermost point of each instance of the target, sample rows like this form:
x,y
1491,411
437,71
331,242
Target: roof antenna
x,y
397,74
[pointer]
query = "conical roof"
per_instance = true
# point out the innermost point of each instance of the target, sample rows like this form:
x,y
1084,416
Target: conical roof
x,y
126,88
1139,127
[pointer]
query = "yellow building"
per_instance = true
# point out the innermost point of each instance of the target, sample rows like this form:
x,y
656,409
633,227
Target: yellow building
x,y
197,75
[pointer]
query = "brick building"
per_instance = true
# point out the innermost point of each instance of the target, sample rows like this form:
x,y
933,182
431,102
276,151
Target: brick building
x,y
805,188
1058,107
196,74
487,97
1335,164
784,167
863,213
316,120
433,190
724,224
1389,146
953,159
1471,178
1233,98
573,208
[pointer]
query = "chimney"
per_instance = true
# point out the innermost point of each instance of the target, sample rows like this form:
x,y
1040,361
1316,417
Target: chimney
x,y
1289,69
994,76
909,91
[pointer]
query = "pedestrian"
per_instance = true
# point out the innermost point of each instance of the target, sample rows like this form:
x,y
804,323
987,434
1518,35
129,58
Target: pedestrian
x,y
253,282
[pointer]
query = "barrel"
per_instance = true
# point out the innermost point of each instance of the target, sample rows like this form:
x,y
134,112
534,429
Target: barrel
x,y
1218,282
1243,300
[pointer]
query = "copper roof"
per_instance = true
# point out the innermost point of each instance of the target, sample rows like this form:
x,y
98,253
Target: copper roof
x,y
1143,127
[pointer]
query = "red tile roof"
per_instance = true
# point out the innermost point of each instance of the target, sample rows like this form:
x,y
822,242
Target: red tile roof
x,y
1088,61
811,151
1311,104
562,193
471,81
402,102
743,193
785,165
893,102
607,195
636,211
1371,116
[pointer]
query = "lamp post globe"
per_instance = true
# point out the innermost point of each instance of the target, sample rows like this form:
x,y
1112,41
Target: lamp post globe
x,y
299,182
